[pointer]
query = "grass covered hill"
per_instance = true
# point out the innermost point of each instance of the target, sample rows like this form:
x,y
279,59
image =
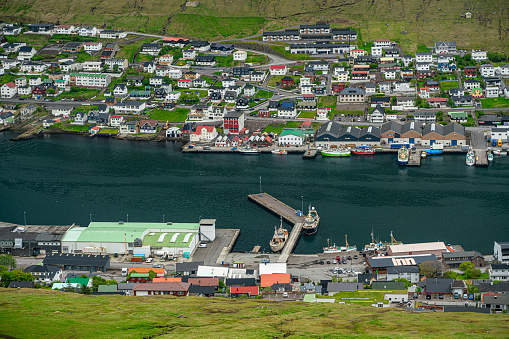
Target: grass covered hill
x,y
411,22
51,314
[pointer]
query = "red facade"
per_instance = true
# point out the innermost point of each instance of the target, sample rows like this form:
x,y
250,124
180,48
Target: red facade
x,y
338,87
232,124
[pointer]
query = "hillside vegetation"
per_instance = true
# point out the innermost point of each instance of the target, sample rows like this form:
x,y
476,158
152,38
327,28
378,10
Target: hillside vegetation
x,y
411,21
51,314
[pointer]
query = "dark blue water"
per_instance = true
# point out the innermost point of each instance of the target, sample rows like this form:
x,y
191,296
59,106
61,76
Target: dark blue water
x,y
62,179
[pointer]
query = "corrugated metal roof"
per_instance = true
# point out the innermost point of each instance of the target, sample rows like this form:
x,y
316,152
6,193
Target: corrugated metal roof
x,y
152,239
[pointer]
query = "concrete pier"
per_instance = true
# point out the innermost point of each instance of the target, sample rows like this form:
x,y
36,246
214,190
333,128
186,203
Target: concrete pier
x,y
286,212
310,154
481,158
414,159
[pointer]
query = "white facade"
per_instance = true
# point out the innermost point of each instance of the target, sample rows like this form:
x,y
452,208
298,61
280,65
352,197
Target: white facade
x,y
240,55
290,139
92,66
87,31
24,90
91,79
278,70
487,70
492,92
376,51
501,249
188,54
424,57
92,46
272,268
499,272
479,55
8,90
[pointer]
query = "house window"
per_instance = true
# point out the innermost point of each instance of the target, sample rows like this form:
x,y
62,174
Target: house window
x,y
180,293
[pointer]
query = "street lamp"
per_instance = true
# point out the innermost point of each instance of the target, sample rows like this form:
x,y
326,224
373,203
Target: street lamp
x,y
25,218
302,203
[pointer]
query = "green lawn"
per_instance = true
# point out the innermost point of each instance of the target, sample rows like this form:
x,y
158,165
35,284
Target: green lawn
x,y
85,108
179,114
108,131
327,102
278,127
470,121
79,94
67,127
53,314
307,114
447,85
264,94
256,58
144,57
127,51
495,102
275,78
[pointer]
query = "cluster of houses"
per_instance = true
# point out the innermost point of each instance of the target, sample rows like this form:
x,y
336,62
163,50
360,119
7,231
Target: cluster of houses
x,y
382,273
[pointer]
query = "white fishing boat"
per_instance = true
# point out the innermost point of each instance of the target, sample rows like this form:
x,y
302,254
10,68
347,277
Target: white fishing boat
x,y
339,249
423,155
470,159
248,151
279,151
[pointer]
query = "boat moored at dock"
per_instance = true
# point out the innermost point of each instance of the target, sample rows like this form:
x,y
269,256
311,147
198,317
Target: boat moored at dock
x,y
311,222
339,249
470,159
403,156
279,151
338,152
248,151
279,239
363,151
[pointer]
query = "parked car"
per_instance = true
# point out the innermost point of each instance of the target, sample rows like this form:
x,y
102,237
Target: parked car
x,y
328,262
285,294
456,295
321,262
157,266
149,260
202,245
356,256
465,296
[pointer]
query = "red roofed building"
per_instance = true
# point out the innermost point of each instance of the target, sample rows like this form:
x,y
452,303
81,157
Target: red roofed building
x,y
184,83
115,120
337,87
437,102
179,289
267,280
360,75
170,279
203,133
249,290
278,70
8,90
306,124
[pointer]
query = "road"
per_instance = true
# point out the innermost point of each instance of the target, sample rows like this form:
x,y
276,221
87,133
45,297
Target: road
x,y
478,141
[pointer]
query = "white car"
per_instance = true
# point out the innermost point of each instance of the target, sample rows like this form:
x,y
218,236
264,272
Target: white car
x,y
285,295
149,260
202,245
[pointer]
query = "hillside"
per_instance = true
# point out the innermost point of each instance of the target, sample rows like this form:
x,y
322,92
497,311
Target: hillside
x,y
421,21
51,314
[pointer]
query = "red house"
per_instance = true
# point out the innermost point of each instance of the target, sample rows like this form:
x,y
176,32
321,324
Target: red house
x,y
264,113
287,82
338,87
233,122
470,71
425,74
248,290
39,90
178,289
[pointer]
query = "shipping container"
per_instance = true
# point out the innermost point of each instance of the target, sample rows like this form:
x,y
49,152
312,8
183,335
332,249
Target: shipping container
x,y
137,259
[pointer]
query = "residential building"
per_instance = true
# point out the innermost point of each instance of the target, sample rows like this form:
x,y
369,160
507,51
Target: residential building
x,y
445,47
150,48
470,71
233,122
117,64
479,55
352,95
499,272
278,70
410,273
26,53
203,133
87,31
384,43
78,262
178,289
92,46
455,259
295,136
501,251
486,70
205,60
380,265
165,60
8,90
287,35
129,107
98,80
377,115
112,34
240,55
424,57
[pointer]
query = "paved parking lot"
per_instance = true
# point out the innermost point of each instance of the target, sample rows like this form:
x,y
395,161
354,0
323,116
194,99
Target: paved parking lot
x,y
211,253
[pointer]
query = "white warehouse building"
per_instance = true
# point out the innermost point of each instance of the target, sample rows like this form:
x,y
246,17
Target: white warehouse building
x,y
138,237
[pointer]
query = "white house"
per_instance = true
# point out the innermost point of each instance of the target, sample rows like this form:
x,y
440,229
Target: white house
x,y
384,43
278,70
112,34
130,107
479,55
503,70
376,51
390,74
120,90
501,249
62,110
203,133
26,53
499,272
87,31
45,274
487,70
24,90
291,137
240,55
116,120
166,59
188,54
377,115
8,90
410,273
492,92
424,57
65,29
92,66
93,46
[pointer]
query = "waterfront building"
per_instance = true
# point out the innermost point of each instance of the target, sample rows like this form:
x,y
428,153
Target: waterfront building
x,y
233,122
78,261
138,237
380,265
436,248
501,252
455,259
332,133
31,240
295,136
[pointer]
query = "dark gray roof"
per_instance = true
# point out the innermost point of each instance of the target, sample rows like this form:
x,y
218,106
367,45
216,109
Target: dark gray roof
x,y
380,262
21,284
188,266
402,269
388,285
438,285
458,284
380,99
411,126
61,259
331,128
197,289
391,126
41,269
503,245
125,286
344,286
350,90
492,287
466,309
462,254
429,128
233,114
240,282
454,127
493,299
499,266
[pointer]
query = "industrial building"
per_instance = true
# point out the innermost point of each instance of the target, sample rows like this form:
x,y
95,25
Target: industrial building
x,y
436,248
381,265
30,239
138,238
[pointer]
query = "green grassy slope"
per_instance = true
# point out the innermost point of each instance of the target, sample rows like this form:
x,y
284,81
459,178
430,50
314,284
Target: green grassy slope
x,y
50,314
421,21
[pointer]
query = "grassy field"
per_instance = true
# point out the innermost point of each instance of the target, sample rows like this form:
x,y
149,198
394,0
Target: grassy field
x,y
495,103
363,297
307,114
81,93
54,314
127,51
108,131
67,127
179,114
264,94
447,85
278,127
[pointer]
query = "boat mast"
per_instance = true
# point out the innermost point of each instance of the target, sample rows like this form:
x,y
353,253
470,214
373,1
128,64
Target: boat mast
x,y
393,241
346,241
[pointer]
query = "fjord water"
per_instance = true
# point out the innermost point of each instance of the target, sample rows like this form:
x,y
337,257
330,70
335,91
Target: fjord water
x,y
62,179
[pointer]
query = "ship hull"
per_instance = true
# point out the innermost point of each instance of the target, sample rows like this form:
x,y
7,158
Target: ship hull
x,y
310,230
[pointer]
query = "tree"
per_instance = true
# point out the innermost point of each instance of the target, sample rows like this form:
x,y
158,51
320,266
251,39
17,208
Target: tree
x,y
106,67
115,68
17,275
406,282
393,101
50,91
430,269
8,260
84,276
84,290
469,270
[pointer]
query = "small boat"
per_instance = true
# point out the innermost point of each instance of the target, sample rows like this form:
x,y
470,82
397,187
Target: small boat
x,y
503,152
496,152
403,156
423,154
311,222
363,151
490,156
279,239
338,152
433,152
470,159
336,249
279,151
248,151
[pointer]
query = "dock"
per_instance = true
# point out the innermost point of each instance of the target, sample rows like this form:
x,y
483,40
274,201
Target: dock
x,y
481,158
287,213
310,154
414,159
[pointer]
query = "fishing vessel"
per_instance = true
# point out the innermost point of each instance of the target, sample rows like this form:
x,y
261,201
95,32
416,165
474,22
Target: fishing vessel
x,y
248,150
279,151
374,245
490,156
423,155
496,152
311,222
470,159
392,242
279,239
338,152
337,249
403,156
363,151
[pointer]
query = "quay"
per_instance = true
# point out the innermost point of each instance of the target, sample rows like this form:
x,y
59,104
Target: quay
x,y
481,158
310,154
414,159
287,213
